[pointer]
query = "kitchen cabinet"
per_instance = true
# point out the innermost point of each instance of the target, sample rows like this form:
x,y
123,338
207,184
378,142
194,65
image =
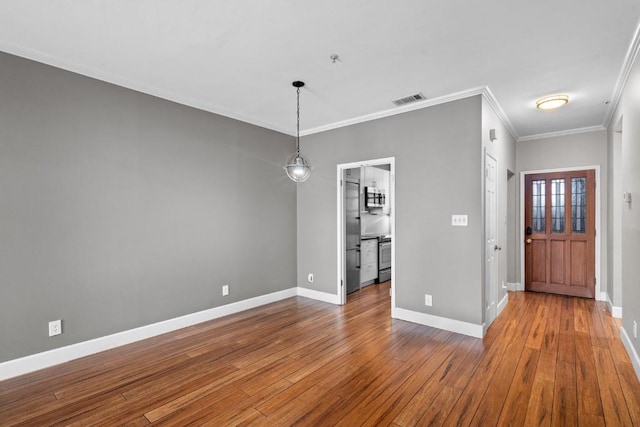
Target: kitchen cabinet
x,y
368,260
380,179
373,177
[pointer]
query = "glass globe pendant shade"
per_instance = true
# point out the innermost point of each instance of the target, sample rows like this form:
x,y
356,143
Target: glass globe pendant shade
x,y
298,168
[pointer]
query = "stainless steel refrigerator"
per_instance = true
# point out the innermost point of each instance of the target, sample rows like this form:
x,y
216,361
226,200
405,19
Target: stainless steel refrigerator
x,y
352,233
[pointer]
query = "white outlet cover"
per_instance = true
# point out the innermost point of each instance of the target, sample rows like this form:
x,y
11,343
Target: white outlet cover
x,y
310,278
428,300
55,328
225,290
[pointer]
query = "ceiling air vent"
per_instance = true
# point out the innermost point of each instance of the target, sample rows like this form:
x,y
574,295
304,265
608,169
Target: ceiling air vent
x,y
409,99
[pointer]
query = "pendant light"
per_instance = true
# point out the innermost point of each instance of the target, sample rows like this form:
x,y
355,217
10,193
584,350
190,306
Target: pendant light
x,y
297,167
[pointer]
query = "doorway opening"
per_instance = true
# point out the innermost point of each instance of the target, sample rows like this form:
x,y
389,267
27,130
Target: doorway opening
x,y
560,246
366,226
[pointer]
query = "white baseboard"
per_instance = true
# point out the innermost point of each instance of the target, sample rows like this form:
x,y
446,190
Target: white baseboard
x,y
502,304
452,325
23,365
631,351
317,295
616,312
515,287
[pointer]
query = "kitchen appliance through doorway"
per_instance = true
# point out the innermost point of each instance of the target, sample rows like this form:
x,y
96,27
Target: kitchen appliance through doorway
x,y
343,267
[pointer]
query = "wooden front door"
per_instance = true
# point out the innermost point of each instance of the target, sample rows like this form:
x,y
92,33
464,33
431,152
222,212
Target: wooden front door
x,y
560,233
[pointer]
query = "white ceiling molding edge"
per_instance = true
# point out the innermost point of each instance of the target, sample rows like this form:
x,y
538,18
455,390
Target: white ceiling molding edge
x,y
75,68
495,105
561,133
627,65
395,111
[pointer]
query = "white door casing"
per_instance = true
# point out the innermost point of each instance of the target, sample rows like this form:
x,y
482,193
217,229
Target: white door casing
x,y
491,238
341,289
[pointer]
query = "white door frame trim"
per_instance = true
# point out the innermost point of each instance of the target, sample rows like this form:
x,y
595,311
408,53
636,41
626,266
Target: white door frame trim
x,y
341,290
488,287
599,296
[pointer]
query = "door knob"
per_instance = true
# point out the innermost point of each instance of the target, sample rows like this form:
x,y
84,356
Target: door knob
x,y
529,240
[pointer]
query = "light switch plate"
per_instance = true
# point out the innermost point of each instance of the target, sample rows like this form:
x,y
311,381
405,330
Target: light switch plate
x,y
460,220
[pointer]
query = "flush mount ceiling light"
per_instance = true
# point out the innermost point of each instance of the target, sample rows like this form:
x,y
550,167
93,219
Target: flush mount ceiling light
x,y
297,167
552,102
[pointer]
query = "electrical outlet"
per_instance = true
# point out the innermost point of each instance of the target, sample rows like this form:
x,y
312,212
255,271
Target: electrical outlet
x,y
225,290
55,328
310,278
428,300
460,220
635,329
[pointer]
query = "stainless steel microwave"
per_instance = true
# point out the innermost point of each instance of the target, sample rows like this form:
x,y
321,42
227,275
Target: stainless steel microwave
x,y
374,197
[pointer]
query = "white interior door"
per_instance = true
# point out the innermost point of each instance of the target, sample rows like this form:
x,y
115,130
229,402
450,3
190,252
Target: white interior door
x,y
491,238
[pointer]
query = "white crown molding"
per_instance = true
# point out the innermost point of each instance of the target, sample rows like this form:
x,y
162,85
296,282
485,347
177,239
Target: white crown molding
x,y
395,111
35,55
483,90
623,77
561,133
497,108
136,86
38,56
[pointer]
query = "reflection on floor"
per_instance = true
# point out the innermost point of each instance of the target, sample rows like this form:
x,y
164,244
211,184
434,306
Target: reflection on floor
x,y
378,287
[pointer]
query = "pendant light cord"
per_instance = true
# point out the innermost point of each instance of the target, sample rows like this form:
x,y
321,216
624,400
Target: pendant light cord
x,y
298,125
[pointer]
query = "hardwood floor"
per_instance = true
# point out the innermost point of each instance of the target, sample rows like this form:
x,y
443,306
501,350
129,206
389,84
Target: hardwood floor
x,y
546,360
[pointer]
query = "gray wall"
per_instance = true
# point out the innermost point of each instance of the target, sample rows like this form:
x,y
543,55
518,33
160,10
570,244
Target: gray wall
x,y
438,153
628,113
577,150
118,209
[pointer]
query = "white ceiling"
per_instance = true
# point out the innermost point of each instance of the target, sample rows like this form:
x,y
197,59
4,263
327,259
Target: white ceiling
x,y
238,58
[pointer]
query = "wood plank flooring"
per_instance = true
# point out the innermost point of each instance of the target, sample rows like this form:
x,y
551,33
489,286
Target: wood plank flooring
x,y
547,360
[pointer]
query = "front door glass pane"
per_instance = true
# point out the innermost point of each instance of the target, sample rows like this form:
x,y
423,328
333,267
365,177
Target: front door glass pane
x,y
578,205
538,211
557,205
